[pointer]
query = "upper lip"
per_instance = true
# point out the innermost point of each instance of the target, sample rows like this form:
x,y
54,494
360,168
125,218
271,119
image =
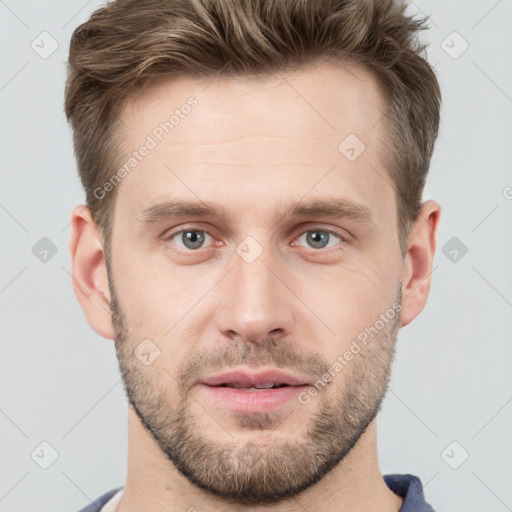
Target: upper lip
x,y
243,378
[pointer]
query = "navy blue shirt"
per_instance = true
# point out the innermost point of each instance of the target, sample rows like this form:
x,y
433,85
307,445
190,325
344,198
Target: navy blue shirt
x,y
406,486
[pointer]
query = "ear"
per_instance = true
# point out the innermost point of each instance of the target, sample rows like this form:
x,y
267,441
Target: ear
x,y
417,269
89,271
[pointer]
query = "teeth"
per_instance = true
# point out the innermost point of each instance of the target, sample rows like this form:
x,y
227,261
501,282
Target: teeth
x,y
266,385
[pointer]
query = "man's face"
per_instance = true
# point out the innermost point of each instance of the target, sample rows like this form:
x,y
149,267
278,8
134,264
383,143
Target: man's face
x,y
253,286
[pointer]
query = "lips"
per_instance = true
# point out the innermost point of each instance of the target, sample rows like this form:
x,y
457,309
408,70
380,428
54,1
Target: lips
x,y
241,379
247,392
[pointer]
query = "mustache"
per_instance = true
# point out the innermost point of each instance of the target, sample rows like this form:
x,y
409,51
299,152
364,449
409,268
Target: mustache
x,y
283,355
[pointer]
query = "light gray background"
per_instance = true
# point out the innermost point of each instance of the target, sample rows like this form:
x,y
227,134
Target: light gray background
x,y
452,378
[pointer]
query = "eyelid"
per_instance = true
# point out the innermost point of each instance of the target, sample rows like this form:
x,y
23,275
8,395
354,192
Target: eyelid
x,y
171,232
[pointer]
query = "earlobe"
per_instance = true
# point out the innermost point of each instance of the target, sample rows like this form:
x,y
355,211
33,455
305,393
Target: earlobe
x,y
417,269
89,272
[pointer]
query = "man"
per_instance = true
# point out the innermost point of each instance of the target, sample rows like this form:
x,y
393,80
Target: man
x,y
253,240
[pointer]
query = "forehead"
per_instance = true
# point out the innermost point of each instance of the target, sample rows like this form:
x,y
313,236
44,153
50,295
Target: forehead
x,y
212,136
331,97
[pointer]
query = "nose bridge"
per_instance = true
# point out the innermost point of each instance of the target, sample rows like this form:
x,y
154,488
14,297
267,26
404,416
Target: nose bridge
x,y
253,301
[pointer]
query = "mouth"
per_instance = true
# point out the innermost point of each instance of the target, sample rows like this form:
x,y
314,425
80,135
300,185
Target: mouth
x,y
243,391
255,387
265,379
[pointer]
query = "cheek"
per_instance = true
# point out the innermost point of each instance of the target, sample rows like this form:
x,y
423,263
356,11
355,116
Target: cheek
x,y
147,295
349,299
164,302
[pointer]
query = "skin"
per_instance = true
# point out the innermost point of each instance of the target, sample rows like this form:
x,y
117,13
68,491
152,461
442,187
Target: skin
x,y
254,146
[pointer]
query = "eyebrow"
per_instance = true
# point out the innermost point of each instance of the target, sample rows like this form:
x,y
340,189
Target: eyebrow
x,y
327,207
336,208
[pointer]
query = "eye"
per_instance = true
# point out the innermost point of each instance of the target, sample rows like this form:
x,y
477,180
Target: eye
x,y
320,238
191,239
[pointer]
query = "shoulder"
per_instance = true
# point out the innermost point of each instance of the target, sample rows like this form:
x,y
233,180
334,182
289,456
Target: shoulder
x,y
98,503
410,488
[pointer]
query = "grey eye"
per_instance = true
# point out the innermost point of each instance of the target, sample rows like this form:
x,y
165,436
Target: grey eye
x,y
319,239
190,239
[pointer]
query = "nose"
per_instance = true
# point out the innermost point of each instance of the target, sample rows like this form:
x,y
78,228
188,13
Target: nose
x,y
255,303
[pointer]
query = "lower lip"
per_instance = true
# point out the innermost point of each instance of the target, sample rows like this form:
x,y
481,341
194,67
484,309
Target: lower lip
x,y
263,400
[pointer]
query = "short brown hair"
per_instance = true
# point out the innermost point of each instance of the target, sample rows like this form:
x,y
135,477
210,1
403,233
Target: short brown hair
x,y
127,44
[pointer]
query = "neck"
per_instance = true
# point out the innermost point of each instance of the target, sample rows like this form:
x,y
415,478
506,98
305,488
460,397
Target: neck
x,y
153,483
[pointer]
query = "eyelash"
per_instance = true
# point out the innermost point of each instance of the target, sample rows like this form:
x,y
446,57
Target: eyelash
x,y
169,237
